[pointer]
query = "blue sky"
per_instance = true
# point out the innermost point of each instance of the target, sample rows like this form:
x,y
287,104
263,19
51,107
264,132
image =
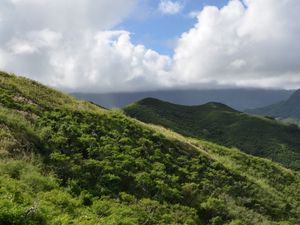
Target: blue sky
x,y
159,31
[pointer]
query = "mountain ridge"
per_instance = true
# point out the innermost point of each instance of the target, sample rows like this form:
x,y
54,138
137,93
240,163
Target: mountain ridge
x,y
284,109
216,105
221,124
240,99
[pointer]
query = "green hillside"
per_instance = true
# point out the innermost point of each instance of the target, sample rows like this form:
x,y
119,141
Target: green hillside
x,y
285,109
221,124
64,161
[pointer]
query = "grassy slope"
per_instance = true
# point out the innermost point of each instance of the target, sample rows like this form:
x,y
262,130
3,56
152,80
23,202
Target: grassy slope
x,y
65,161
218,123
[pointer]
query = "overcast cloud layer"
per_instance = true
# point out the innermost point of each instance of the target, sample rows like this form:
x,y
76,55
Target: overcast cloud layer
x,y
73,45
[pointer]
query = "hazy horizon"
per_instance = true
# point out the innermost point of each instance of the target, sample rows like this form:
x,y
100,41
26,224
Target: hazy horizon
x,y
240,99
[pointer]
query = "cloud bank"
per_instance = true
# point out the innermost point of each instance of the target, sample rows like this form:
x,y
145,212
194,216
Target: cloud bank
x,y
249,43
73,45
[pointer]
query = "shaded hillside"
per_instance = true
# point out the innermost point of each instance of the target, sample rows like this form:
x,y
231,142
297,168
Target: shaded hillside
x,y
240,99
63,161
223,125
285,109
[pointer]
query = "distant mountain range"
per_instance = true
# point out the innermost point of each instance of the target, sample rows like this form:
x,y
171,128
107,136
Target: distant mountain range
x,y
221,124
239,99
284,109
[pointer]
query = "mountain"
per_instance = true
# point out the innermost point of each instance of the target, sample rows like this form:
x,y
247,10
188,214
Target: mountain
x,y
284,109
221,124
64,161
240,99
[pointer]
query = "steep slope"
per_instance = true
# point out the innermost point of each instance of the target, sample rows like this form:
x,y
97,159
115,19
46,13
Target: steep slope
x,y
285,109
223,125
63,161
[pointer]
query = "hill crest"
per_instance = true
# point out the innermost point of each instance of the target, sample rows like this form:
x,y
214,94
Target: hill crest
x,y
216,122
209,105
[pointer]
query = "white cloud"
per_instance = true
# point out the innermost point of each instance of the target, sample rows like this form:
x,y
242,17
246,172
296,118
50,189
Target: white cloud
x,y
254,43
70,44
73,45
170,7
34,41
99,61
66,15
108,61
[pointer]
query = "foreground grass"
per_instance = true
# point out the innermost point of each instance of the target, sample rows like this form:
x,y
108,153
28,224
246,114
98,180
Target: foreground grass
x,y
69,162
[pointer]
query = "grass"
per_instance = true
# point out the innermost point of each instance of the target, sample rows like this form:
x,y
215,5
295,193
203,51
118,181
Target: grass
x,y
77,163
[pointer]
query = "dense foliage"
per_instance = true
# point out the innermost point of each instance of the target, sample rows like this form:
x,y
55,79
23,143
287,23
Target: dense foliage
x,y
68,162
259,136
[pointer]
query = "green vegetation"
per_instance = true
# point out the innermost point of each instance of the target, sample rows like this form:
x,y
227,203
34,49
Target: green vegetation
x,y
259,136
291,121
63,161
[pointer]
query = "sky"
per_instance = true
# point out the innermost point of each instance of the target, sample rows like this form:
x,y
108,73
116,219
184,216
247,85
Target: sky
x,y
138,45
